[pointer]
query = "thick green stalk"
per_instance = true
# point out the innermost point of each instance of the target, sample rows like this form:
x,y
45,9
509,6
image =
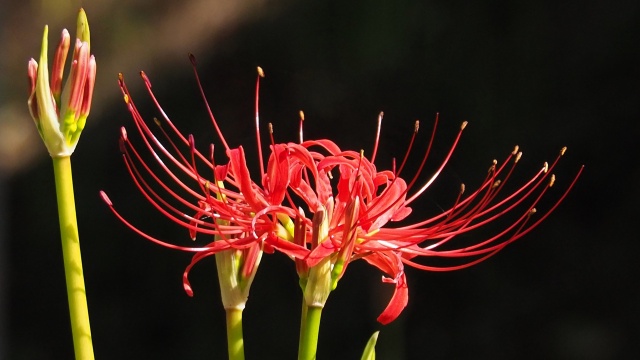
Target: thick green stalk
x,y
309,331
76,293
235,340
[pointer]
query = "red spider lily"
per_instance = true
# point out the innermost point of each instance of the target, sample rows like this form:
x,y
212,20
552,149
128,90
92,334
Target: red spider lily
x,y
357,203
60,116
237,212
364,200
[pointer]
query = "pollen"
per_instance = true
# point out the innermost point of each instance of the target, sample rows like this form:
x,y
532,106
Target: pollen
x,y
260,72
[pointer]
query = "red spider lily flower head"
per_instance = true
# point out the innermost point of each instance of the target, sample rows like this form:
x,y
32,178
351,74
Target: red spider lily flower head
x,y
365,201
60,116
352,206
222,202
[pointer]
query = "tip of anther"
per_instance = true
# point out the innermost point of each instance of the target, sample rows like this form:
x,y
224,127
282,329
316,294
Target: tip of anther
x,y
563,150
123,133
497,183
157,121
271,127
515,150
120,77
462,188
192,58
416,126
545,167
464,125
532,211
145,78
301,113
552,180
518,156
126,99
105,198
260,72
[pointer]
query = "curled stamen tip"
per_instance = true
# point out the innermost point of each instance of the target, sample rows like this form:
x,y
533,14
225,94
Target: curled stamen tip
x,y
270,128
192,58
260,72
563,150
464,125
552,180
518,156
105,198
301,113
545,167
192,141
416,126
515,150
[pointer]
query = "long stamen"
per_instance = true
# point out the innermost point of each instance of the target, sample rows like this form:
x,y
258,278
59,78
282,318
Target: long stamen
x,y
435,175
416,127
192,58
300,132
375,145
259,143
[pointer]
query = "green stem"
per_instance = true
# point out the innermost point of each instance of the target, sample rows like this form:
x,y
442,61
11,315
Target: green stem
x,y
309,330
76,293
235,339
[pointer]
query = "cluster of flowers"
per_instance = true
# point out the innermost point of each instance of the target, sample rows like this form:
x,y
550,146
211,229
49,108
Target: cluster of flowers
x,y
321,205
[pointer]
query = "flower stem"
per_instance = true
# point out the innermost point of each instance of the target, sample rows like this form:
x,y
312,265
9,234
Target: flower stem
x,y
235,339
76,293
309,330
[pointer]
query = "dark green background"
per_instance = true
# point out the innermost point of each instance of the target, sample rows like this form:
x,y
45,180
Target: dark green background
x,y
538,74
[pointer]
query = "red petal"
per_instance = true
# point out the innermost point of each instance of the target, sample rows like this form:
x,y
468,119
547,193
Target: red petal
x,y
277,176
241,174
391,264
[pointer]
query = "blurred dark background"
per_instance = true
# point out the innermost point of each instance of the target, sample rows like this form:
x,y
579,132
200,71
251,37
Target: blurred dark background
x,y
538,74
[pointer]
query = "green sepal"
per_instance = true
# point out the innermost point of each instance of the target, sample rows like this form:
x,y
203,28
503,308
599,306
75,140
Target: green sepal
x,y
369,352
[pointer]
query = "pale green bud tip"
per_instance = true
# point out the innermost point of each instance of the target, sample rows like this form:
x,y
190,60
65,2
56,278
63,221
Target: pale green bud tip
x,y
369,352
83,32
45,46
